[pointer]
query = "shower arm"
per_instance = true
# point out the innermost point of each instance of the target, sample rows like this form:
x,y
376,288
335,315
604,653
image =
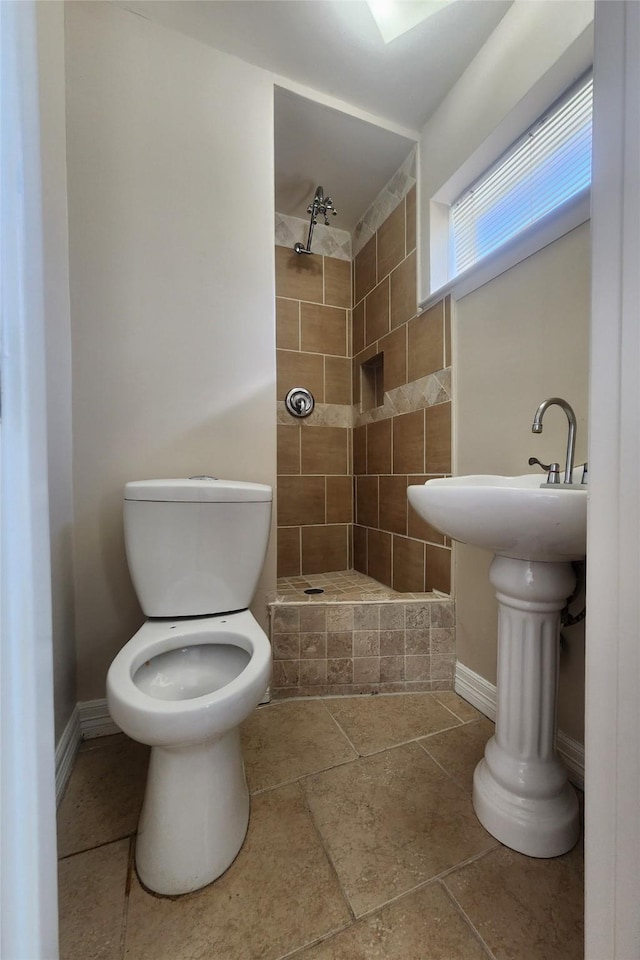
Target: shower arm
x,y
319,202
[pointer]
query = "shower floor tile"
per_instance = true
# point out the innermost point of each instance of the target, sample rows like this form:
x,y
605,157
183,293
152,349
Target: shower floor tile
x,y
347,585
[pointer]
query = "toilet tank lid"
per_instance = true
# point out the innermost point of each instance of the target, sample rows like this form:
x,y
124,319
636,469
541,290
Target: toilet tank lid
x,y
198,490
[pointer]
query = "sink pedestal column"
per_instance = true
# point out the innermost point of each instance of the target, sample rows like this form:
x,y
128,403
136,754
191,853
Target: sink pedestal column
x,y
521,792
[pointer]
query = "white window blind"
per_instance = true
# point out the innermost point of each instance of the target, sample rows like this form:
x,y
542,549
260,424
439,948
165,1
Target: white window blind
x,y
548,166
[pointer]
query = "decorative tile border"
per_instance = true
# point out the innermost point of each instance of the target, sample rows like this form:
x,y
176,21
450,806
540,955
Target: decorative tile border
x,y
365,647
327,241
385,203
425,392
324,415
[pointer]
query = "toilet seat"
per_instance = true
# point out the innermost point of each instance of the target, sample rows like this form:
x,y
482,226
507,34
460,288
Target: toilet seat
x,y
162,722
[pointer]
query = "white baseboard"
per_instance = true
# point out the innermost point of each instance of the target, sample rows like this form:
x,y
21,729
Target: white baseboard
x,y
95,720
89,719
66,752
482,695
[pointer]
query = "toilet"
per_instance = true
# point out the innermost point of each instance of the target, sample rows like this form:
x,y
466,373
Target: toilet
x,y
194,671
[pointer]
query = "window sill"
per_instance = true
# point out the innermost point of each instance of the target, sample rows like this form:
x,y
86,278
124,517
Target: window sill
x,y
574,213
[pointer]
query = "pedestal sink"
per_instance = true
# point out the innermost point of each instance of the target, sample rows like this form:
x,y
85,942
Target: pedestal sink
x,y
521,792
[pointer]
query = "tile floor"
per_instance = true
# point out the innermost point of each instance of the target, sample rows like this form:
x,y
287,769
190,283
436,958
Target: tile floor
x,y
362,845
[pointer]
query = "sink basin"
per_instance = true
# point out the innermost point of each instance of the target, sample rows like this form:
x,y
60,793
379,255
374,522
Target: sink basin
x,y
511,516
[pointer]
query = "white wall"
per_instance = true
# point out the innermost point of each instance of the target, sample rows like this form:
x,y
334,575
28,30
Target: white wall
x,y
519,339
524,335
50,26
170,172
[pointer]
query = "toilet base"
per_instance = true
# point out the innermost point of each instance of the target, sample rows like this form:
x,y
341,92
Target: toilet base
x,y
195,815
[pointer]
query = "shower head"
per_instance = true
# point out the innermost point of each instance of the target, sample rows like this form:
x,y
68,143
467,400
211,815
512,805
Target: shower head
x,y
320,205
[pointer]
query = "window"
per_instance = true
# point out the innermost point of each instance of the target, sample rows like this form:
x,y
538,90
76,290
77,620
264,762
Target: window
x,y
545,168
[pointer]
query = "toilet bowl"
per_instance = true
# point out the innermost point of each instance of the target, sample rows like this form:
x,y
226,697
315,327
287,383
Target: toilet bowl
x,y
185,683
183,688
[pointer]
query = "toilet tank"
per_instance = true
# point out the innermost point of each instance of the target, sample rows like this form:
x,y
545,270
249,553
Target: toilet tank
x,y
195,547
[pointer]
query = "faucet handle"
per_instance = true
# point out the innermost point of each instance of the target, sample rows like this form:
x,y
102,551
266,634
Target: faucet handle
x,y
545,466
553,470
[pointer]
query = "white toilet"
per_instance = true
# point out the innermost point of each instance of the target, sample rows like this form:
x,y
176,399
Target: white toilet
x,y
194,671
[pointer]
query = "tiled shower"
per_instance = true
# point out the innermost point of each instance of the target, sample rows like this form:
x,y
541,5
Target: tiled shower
x,y
349,331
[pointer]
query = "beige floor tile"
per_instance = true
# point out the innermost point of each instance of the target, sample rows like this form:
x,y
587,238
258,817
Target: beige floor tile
x,y
284,741
460,750
91,892
457,705
424,924
525,909
102,801
279,894
392,821
375,723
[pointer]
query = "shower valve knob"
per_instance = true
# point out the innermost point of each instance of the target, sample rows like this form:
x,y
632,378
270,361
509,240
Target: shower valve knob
x,y
299,402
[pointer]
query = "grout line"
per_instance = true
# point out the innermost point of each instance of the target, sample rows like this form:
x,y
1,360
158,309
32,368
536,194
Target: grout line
x,y
496,845
127,892
468,920
96,846
298,951
343,732
303,776
327,854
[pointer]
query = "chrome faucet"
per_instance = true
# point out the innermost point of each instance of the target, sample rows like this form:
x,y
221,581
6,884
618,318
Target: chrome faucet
x,y
536,427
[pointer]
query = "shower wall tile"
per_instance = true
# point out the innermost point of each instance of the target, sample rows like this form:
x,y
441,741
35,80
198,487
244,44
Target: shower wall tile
x,y
379,556
360,450
391,241
426,342
323,329
365,275
325,547
438,568
287,324
337,282
367,501
360,548
379,447
313,314
324,450
298,277
296,369
394,351
438,438
339,499
393,504
400,435
376,312
288,452
408,443
337,380
357,332
301,501
410,219
403,292
289,551
408,566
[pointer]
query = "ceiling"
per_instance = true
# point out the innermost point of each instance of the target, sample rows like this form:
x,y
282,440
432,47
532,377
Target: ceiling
x,y
335,47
